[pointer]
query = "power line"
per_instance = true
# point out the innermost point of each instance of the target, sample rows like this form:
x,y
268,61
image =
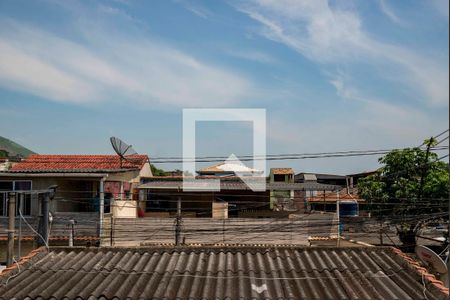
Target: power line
x,y
281,155
293,156
443,132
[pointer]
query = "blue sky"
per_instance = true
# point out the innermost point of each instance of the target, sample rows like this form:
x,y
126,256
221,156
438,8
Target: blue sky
x,y
332,75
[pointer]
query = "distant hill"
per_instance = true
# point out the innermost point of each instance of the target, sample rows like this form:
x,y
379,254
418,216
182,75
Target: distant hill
x,y
13,148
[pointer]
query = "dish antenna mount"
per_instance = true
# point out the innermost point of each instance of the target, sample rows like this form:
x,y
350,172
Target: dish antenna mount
x,y
122,149
434,261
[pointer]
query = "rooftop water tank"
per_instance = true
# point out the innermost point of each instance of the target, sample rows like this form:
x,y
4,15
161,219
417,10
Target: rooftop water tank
x,y
348,208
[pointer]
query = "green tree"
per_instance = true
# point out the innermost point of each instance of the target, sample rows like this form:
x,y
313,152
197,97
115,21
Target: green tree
x,y
156,171
3,153
410,185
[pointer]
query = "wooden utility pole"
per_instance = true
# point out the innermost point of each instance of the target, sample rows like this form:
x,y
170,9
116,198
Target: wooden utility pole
x,y
381,231
102,210
71,232
178,223
425,168
338,210
11,225
19,240
42,240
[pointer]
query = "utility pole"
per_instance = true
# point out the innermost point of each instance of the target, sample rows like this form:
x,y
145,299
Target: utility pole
x,y
71,232
102,209
423,173
42,240
178,223
381,230
425,167
11,225
111,231
43,230
338,212
19,248
223,231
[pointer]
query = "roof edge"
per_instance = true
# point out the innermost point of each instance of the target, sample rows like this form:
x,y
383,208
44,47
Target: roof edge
x,y
22,262
49,174
421,271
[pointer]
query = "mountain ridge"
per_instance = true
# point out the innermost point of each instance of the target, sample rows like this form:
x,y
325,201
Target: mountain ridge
x,y
13,148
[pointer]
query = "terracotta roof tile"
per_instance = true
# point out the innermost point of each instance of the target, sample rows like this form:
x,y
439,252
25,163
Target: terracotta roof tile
x,y
78,163
53,238
414,265
333,197
282,171
23,260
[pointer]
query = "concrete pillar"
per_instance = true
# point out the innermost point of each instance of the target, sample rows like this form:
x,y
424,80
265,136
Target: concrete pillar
x,y
101,207
11,225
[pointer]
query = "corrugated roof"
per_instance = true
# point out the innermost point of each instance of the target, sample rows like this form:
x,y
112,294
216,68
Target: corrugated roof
x,y
78,163
282,171
333,197
309,177
321,176
228,168
219,273
238,185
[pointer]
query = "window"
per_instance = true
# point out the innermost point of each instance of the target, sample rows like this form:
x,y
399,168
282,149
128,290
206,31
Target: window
x,y
3,207
158,202
22,185
23,200
279,178
6,186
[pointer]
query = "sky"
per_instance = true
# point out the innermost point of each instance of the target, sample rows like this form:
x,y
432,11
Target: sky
x,y
331,75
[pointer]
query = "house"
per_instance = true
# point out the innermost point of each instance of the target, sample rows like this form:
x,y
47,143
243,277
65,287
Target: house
x,y
279,197
321,178
282,200
7,160
5,164
248,272
352,179
229,169
326,201
159,197
81,180
322,200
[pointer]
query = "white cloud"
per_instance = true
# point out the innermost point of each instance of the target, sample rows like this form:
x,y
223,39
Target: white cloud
x,y
387,10
253,55
196,9
365,123
333,36
135,70
24,72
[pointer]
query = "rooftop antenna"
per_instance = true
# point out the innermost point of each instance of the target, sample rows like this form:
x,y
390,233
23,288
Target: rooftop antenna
x,y
122,149
434,261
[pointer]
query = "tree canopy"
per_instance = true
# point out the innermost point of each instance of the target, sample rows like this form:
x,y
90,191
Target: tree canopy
x,y
156,171
411,185
410,182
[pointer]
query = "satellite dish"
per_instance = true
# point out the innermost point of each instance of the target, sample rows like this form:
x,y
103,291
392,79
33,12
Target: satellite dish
x,y
430,258
122,149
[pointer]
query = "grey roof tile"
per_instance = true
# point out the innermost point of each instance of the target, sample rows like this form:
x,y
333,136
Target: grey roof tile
x,y
217,273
